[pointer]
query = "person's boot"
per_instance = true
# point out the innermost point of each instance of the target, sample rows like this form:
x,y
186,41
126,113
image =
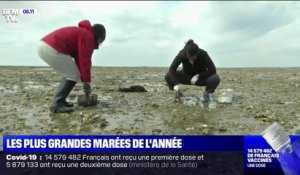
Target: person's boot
x,y
59,102
205,97
68,104
208,99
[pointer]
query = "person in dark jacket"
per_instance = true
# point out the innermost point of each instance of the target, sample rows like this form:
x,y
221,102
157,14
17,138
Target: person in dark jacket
x,y
197,69
68,51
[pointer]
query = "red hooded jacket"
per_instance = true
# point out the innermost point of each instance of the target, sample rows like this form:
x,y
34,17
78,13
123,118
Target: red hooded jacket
x,y
77,42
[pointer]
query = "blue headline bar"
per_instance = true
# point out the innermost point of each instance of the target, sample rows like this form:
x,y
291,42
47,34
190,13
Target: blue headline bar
x,y
113,143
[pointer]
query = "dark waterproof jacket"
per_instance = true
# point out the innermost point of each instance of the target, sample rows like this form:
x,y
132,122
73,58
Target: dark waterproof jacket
x,y
203,65
78,42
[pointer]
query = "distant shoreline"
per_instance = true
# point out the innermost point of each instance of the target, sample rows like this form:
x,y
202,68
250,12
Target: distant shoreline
x,y
11,66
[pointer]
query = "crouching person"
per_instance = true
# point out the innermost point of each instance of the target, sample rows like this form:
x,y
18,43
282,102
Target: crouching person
x,y
68,51
197,69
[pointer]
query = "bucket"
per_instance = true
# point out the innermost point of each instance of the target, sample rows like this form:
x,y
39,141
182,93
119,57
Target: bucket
x,y
225,96
90,101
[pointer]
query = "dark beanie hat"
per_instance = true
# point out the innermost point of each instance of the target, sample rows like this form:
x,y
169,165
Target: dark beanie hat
x,y
99,31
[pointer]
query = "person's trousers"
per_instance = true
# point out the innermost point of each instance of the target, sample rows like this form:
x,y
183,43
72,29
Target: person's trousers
x,y
63,64
210,83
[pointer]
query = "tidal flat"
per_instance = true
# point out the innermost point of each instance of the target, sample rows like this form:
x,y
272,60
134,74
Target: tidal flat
x,y
261,96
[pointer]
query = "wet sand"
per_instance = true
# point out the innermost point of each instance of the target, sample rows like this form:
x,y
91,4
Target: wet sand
x,y
261,96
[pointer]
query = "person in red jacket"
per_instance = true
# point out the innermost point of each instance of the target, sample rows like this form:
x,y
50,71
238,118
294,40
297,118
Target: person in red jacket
x,y
197,69
68,51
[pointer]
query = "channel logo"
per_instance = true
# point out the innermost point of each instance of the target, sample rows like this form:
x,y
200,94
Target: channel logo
x,y
11,15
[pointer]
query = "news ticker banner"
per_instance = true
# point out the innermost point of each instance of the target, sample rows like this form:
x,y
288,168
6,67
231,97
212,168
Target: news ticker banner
x,y
84,154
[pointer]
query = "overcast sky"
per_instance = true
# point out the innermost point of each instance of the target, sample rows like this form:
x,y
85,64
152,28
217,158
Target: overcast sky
x,y
151,33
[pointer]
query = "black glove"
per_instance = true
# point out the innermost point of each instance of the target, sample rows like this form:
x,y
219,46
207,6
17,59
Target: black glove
x,y
87,89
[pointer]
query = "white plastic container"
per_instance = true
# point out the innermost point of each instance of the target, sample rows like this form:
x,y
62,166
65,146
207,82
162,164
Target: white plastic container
x,y
225,96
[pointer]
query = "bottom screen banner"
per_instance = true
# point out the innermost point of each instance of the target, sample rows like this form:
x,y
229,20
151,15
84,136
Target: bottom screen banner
x,y
148,155
145,163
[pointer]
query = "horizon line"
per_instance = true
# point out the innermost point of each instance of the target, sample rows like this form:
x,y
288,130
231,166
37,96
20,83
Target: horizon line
x,y
152,66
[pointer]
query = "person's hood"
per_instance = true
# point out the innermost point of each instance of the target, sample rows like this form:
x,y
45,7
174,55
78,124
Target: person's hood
x,y
86,25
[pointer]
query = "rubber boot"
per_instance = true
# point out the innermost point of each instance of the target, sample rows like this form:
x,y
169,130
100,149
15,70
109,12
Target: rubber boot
x,y
205,97
67,104
59,101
